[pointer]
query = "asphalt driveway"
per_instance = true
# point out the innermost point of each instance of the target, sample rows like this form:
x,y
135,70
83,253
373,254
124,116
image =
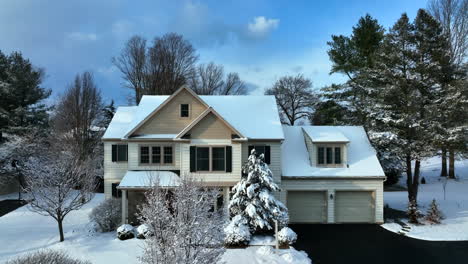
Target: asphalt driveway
x,y
344,244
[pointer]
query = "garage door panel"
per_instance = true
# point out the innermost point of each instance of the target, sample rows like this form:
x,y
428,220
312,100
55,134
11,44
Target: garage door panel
x,y
354,207
306,206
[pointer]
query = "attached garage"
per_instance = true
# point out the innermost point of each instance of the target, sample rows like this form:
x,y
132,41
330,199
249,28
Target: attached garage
x,y
354,207
307,206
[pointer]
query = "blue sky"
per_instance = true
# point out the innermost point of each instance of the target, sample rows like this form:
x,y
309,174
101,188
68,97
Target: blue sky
x,y
261,40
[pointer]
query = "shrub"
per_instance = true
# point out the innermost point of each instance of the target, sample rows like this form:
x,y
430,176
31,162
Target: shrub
x,y
107,215
434,215
125,232
237,232
286,236
144,231
46,256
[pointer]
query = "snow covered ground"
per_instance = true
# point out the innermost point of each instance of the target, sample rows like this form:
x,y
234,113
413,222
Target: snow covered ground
x,y
23,231
454,205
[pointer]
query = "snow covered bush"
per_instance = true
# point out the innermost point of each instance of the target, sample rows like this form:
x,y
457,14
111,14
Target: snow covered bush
x,y
46,257
286,236
253,199
125,232
144,231
237,232
413,212
434,215
108,215
185,229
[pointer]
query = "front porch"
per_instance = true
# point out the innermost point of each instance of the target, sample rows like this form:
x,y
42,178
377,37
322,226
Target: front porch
x,y
135,183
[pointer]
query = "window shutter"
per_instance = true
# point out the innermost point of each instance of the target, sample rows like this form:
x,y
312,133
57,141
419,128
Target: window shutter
x,y
228,159
193,159
126,152
114,153
267,154
250,150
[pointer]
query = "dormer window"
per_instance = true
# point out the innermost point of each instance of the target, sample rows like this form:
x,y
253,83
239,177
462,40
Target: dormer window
x,y
328,155
184,110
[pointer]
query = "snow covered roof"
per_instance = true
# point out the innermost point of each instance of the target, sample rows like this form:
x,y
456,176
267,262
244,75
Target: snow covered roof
x,y
256,117
325,134
155,136
120,122
145,179
362,157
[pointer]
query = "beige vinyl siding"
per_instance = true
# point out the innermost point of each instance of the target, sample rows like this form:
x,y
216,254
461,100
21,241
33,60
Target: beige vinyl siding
x,y
307,206
113,171
354,206
134,156
210,127
168,120
275,156
312,149
213,178
334,185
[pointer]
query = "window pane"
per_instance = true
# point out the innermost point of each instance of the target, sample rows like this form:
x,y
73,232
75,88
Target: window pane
x,y
184,110
337,155
329,155
121,152
259,150
168,155
156,155
218,162
321,155
144,154
203,162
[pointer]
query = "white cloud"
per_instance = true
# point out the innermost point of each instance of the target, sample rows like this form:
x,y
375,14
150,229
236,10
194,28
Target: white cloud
x,y
261,26
80,36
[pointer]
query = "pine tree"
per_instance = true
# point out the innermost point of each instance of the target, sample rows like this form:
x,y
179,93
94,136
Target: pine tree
x,y
434,215
253,199
413,212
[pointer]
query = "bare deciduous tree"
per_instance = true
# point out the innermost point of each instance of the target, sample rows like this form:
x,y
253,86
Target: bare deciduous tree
x,y
209,80
294,97
185,228
78,115
453,16
58,183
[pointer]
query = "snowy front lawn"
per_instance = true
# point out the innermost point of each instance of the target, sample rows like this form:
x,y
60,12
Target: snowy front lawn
x,y
23,231
454,206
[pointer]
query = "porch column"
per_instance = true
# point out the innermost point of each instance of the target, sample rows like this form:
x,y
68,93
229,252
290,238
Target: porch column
x,y
124,207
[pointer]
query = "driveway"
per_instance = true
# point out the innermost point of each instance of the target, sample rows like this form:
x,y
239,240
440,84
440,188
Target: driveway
x,y
344,244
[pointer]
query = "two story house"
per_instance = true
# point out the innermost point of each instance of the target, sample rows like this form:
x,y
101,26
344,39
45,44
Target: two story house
x,y
326,174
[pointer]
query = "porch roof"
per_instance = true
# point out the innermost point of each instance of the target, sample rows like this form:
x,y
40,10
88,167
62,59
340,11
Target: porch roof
x,y
145,179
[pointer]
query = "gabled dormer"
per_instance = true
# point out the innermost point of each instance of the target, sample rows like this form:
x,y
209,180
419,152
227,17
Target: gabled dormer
x,y
327,147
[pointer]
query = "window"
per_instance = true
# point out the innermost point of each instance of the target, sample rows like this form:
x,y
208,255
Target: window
x,y
203,159
328,155
117,193
119,152
337,155
261,149
144,155
321,155
156,155
218,159
184,110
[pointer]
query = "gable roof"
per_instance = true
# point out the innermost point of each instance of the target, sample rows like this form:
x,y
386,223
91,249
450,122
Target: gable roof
x,y
123,117
324,134
254,117
362,158
201,117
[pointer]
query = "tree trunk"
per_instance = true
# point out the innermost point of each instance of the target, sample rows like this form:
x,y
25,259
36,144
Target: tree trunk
x,y
451,164
417,167
60,226
409,177
443,171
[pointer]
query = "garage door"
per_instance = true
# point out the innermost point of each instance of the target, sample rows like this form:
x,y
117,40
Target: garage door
x,y
306,207
354,207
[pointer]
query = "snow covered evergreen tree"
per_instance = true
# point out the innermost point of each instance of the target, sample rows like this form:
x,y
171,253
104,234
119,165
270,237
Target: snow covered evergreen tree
x,y
253,202
434,215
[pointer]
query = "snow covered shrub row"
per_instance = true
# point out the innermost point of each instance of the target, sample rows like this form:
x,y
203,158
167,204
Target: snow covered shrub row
x,y
107,216
125,232
46,257
286,236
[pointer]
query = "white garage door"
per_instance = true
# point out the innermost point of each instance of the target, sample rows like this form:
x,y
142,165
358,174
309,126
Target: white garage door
x,y
307,206
354,207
